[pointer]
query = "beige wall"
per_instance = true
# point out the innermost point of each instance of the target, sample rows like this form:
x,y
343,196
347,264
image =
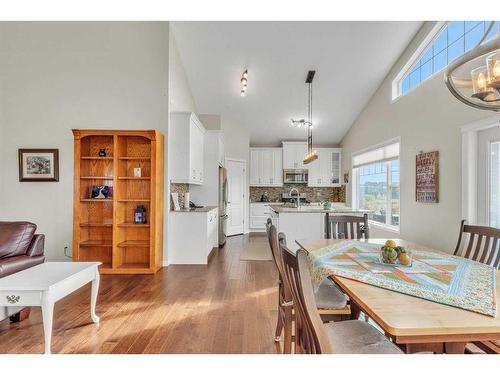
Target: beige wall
x,y
55,76
428,118
180,95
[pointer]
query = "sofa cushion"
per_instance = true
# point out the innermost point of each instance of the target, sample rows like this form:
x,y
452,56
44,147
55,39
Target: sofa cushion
x,y
18,263
15,237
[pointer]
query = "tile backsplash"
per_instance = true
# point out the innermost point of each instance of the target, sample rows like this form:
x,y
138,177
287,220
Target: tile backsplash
x,y
314,194
180,189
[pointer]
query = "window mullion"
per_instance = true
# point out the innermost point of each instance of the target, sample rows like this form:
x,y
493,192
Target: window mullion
x,y
389,193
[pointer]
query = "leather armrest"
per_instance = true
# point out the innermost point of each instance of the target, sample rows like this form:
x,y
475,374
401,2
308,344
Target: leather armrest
x,y
37,245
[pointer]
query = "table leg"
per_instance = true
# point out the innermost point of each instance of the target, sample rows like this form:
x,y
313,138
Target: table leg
x,y
454,347
47,317
93,300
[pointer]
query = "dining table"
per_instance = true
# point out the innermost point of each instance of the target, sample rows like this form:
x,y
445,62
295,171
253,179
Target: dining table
x,y
414,324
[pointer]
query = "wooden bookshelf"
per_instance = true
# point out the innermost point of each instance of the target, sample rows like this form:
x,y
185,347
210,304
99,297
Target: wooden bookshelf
x,y
103,229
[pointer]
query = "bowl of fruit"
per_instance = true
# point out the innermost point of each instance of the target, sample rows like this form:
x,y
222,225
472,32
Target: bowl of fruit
x,y
390,253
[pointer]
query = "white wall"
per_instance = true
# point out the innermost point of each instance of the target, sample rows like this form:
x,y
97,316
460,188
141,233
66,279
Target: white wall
x,y
428,119
55,76
180,99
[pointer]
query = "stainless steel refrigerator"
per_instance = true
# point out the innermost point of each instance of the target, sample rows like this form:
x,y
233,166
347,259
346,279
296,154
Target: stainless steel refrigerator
x,y
222,205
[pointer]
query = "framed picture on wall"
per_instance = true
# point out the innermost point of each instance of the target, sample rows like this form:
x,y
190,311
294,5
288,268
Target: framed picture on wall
x,y
427,177
38,164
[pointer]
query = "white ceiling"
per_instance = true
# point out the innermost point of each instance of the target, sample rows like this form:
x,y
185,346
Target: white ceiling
x,y
351,60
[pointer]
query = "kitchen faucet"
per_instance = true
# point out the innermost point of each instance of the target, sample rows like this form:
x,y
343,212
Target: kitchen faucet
x,y
298,196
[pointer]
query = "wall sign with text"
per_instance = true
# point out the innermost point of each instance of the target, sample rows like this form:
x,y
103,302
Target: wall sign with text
x,y
427,177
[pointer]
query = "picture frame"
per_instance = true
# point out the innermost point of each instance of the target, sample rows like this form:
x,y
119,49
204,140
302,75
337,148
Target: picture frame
x,y
38,164
427,177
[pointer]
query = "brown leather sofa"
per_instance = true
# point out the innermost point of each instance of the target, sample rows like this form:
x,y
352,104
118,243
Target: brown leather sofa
x,y
20,248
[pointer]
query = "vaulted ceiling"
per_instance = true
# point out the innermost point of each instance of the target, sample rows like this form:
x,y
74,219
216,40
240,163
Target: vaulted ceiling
x,y
351,60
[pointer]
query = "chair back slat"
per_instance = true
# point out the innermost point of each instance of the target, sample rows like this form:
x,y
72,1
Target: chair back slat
x,y
469,248
481,243
310,334
348,226
486,249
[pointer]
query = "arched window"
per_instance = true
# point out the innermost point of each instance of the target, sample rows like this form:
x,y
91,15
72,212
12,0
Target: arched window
x,y
451,41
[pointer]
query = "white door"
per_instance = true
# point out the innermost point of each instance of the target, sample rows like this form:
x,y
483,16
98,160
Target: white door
x,y
488,175
236,180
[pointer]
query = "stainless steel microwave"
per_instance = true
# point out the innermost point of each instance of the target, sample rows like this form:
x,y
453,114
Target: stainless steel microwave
x,y
295,176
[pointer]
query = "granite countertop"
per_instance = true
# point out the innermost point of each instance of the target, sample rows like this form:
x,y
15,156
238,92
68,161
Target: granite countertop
x,y
197,210
317,208
260,202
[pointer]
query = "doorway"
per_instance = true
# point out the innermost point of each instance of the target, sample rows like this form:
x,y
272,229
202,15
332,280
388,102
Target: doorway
x,y
236,183
488,177
481,172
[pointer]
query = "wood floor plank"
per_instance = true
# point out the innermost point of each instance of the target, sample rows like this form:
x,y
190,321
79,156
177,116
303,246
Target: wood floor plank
x,y
228,306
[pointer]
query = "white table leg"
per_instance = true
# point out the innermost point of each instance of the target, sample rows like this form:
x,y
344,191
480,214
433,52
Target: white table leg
x,y
47,316
93,301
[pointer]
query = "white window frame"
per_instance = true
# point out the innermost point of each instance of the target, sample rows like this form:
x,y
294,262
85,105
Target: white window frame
x,y
355,184
417,54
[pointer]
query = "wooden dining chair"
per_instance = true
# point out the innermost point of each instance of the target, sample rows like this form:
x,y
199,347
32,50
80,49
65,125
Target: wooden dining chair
x,y
349,226
330,301
312,336
482,244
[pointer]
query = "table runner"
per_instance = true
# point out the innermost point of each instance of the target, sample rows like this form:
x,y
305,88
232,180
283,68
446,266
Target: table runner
x,y
440,278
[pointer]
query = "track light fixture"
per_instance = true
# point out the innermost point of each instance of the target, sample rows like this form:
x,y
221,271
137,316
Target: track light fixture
x,y
244,82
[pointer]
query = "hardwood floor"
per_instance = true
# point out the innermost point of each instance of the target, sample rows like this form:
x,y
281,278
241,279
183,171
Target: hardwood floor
x,y
228,306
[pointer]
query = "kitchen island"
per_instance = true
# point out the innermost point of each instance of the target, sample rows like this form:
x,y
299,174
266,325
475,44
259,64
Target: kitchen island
x,y
306,221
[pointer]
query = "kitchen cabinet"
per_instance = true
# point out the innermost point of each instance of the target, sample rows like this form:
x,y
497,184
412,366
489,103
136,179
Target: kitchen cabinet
x,y
325,171
259,213
266,166
293,155
186,141
187,248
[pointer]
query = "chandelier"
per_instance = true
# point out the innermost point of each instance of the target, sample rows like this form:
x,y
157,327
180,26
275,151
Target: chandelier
x,y
311,154
474,78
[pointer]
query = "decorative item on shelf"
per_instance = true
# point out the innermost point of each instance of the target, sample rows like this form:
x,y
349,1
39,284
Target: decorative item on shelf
x,y
140,215
264,197
38,165
102,152
186,200
474,78
175,201
390,253
346,178
137,172
327,205
100,191
427,177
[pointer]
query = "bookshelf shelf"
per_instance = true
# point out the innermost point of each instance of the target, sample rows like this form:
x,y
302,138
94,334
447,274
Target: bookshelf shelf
x,y
106,232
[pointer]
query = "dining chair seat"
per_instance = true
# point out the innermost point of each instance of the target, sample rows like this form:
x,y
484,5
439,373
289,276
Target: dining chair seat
x,y
328,296
358,337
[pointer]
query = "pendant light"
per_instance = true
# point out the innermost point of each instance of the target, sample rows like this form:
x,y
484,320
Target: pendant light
x,y
474,78
311,154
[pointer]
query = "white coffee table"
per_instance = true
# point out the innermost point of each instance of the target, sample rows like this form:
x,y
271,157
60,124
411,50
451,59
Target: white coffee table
x,y
47,283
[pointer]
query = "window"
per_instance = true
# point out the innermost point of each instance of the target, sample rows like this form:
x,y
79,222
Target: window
x,y
451,41
376,184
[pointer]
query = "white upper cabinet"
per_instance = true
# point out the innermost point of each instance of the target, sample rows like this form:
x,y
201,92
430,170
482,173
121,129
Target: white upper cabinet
x,y
293,155
266,167
325,171
186,148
